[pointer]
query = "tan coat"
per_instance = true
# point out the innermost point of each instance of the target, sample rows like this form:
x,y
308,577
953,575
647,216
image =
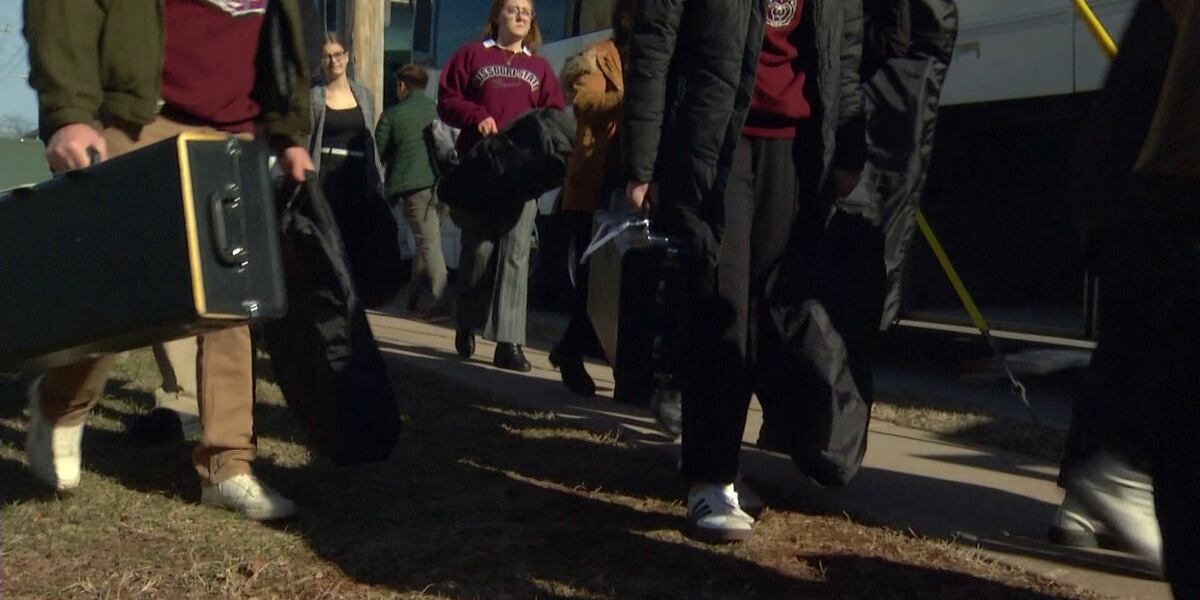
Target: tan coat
x,y
595,85
1173,146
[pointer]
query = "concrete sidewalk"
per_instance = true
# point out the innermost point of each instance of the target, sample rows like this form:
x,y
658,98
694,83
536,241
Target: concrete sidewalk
x,y
911,480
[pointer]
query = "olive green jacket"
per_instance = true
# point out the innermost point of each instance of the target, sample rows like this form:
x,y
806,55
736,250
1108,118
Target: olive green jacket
x,y
101,61
402,144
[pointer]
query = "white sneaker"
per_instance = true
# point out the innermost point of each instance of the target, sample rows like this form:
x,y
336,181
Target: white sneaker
x,y
1074,526
1122,498
748,500
715,516
53,451
247,495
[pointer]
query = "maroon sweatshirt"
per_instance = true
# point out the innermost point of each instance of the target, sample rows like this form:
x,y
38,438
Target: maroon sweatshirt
x,y
779,105
208,69
484,80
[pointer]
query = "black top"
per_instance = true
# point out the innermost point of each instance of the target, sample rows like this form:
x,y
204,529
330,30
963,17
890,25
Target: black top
x,y
344,129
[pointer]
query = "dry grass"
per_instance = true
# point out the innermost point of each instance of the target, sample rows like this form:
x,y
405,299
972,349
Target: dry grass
x,y
480,500
972,427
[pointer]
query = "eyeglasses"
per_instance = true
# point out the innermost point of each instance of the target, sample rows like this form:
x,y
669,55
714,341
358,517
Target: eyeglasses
x,y
336,57
513,11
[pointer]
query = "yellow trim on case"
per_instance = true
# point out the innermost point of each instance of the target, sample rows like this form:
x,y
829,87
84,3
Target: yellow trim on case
x,y
189,219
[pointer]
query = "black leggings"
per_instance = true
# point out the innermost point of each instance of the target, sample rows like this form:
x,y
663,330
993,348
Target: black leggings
x,y
579,339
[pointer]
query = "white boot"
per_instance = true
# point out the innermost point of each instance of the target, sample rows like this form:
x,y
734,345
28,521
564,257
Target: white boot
x,y
53,451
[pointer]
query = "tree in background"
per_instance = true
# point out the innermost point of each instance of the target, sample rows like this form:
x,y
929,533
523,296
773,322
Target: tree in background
x,y
17,126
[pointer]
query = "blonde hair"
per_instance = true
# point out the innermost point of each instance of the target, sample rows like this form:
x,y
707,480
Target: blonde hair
x,y
491,31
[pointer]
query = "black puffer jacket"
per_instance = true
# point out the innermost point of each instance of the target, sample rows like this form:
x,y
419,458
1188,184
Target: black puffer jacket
x,y
502,172
688,89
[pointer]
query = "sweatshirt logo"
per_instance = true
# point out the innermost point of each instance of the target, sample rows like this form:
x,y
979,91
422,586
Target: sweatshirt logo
x,y
238,8
504,71
780,13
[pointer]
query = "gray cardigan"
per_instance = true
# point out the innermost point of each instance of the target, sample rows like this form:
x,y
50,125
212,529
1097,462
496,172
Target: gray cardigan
x,y
366,104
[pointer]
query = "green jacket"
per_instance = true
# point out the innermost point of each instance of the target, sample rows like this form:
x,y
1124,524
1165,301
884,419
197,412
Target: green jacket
x,y
400,137
99,61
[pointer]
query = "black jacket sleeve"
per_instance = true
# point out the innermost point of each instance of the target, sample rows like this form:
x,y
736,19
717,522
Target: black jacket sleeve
x,y
851,149
652,44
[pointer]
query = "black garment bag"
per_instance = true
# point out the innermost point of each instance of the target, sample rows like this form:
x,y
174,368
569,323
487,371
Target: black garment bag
x,y
323,353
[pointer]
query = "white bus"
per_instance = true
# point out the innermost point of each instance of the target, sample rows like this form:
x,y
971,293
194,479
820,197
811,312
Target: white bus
x,y
1016,100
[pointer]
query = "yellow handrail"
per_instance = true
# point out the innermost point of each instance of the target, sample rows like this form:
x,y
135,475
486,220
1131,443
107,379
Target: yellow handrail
x,y
1110,48
952,274
1097,28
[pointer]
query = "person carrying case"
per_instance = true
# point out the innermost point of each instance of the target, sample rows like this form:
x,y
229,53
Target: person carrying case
x,y
635,283
162,243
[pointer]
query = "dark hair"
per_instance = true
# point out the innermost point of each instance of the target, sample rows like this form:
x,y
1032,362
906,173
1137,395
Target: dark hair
x,y
414,76
492,32
622,25
332,37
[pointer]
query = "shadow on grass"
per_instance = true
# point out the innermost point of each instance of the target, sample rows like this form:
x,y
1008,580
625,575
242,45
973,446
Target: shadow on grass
x,y
161,468
881,579
110,453
523,390
485,499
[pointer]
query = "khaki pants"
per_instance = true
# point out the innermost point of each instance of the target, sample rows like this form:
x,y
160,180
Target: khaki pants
x,y
224,360
424,215
177,365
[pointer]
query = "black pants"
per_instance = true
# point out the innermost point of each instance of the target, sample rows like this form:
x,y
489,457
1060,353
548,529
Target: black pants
x,y
1145,247
1090,433
799,292
579,339
1148,364
762,202
344,180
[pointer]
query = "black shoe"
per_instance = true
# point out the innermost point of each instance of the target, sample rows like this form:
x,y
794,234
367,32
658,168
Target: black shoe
x,y
464,342
509,356
667,408
574,376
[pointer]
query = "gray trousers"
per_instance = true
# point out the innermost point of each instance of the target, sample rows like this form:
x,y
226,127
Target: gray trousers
x,y
493,278
424,213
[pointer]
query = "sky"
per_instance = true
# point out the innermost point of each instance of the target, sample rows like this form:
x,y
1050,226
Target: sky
x,y
15,96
